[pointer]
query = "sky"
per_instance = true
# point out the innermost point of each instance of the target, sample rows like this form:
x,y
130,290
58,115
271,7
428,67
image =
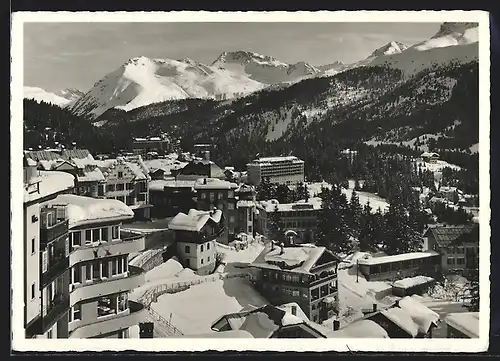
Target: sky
x,y
77,55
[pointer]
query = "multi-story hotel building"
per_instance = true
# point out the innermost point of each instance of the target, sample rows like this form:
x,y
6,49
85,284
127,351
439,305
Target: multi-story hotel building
x,y
300,217
306,275
283,170
100,277
214,193
46,254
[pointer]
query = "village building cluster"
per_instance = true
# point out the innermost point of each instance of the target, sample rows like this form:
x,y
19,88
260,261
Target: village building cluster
x,y
87,217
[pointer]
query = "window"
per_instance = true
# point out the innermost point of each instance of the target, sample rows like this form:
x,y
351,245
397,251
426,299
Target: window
x,y
249,229
88,236
96,235
115,232
249,216
120,187
105,234
107,306
201,261
230,194
203,195
212,196
77,274
105,269
220,195
130,186
230,206
32,245
76,238
120,265
461,250
113,265
122,302
208,246
187,262
88,272
208,259
130,201
110,187
187,249
33,291
461,261
49,334
120,174
450,261
201,248
141,197
100,190
34,219
76,312
96,270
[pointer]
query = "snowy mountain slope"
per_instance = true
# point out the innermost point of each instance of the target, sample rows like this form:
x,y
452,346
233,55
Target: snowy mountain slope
x,y
393,47
263,68
40,94
71,94
142,81
451,34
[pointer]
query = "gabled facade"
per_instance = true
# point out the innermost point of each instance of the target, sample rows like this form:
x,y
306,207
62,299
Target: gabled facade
x,y
195,235
457,245
306,275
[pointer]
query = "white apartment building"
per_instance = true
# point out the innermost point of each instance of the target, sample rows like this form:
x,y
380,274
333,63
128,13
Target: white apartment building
x,y
100,277
45,254
283,170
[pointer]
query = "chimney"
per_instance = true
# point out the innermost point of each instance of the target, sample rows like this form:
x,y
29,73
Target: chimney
x,y
294,310
282,246
374,307
204,180
336,325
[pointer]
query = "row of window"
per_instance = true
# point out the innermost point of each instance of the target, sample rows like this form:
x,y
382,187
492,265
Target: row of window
x,y
108,305
220,195
460,249
187,249
459,261
94,235
202,261
99,269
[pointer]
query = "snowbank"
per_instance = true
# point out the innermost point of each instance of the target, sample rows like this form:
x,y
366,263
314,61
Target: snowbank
x,y
166,270
193,311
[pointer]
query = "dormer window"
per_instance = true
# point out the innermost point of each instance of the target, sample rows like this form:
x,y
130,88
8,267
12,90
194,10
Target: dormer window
x,y
120,174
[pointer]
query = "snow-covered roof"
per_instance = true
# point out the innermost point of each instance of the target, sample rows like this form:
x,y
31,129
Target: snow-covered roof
x,y
401,318
139,173
214,183
429,154
50,182
396,258
158,185
465,322
245,203
272,205
87,210
270,160
412,281
423,316
445,234
221,334
360,329
194,220
297,259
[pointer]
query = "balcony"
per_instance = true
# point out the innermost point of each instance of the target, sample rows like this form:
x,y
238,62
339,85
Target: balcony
x,y
57,266
331,276
135,277
48,234
49,316
130,243
135,314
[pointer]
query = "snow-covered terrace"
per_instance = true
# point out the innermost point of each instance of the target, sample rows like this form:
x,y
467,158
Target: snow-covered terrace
x,y
87,210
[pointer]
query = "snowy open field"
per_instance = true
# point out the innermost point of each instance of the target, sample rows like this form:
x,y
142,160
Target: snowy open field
x,y
193,311
364,197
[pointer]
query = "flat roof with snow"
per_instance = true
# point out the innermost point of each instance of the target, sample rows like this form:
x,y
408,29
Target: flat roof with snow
x,y
194,220
214,183
87,210
396,258
50,183
270,160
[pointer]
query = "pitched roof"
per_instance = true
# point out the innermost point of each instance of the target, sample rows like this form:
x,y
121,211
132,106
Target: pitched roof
x,y
465,322
76,153
444,235
38,155
194,221
300,258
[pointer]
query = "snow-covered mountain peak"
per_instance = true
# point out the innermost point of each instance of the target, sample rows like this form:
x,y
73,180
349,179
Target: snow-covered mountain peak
x,y
451,34
448,28
71,94
41,95
392,47
242,56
